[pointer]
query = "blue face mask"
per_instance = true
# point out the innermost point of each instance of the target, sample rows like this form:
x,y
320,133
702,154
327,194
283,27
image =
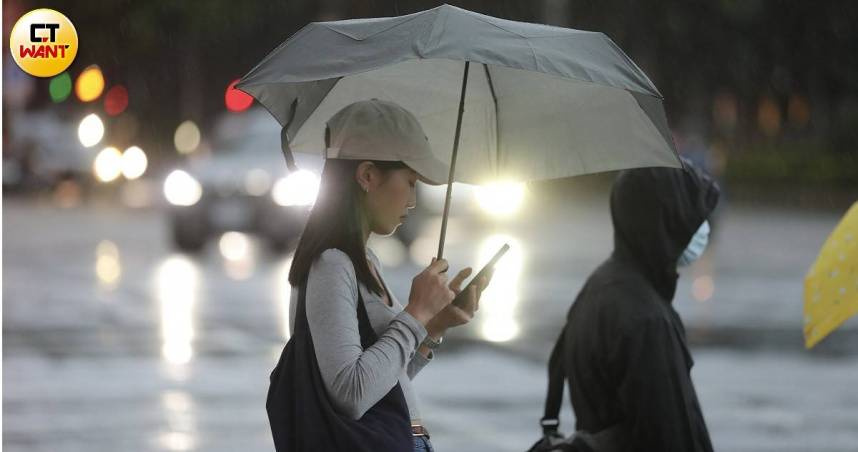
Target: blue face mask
x,y
696,246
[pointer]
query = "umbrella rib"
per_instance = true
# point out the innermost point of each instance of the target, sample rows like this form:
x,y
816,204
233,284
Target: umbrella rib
x,y
497,117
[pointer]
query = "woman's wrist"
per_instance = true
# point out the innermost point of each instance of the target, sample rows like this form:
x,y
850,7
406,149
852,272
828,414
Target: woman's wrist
x,y
418,315
435,332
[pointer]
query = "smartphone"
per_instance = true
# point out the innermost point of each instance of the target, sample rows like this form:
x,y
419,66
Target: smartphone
x,y
461,299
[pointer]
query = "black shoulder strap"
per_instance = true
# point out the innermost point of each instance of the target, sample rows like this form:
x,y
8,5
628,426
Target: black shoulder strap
x,y
367,334
301,309
556,378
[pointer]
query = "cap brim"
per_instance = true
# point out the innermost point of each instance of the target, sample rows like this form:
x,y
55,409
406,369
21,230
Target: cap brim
x,y
430,170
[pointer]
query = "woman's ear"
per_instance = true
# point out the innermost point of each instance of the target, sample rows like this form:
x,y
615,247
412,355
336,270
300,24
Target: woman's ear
x,y
365,175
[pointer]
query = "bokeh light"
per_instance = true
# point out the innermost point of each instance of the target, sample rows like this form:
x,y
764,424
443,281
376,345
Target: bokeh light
x,y
769,117
116,100
60,87
107,266
234,245
181,189
91,130
236,100
108,164
237,251
500,199
703,288
297,189
187,137
90,84
134,163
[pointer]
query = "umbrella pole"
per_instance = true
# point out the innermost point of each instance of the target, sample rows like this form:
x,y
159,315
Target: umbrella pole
x,y
453,162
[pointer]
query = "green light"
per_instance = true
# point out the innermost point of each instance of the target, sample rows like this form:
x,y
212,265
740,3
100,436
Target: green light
x,y
60,87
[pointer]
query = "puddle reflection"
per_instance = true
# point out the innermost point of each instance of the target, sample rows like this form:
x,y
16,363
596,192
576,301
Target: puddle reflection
x,y
238,254
178,289
497,315
181,434
108,269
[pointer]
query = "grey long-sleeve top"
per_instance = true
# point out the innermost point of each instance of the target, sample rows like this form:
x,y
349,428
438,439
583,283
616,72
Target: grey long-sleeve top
x,y
355,378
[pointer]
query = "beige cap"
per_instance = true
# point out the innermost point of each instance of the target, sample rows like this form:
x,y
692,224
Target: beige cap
x,y
380,130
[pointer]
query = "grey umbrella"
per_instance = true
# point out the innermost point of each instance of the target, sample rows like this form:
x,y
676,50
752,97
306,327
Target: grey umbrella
x,y
523,101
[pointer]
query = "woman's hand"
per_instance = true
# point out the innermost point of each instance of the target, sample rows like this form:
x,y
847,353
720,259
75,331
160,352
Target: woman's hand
x,y
429,292
452,315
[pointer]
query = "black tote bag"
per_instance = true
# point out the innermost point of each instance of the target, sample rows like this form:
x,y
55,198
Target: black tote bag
x,y
300,412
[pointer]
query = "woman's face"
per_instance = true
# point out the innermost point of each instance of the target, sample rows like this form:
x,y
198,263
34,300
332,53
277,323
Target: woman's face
x,y
389,197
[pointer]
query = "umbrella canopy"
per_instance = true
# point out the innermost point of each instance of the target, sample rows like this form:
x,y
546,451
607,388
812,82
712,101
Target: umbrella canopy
x,y
542,102
831,285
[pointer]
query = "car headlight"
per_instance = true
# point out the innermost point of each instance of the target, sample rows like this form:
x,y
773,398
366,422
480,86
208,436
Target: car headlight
x,y
107,165
297,189
500,199
181,189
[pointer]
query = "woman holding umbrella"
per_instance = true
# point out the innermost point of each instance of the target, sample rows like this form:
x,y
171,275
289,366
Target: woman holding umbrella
x,y
344,379
541,103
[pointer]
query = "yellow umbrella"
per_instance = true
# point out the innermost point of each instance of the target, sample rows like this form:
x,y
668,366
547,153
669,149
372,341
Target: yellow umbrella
x,y
831,285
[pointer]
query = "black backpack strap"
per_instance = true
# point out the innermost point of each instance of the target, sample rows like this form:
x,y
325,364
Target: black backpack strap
x,y
556,378
611,439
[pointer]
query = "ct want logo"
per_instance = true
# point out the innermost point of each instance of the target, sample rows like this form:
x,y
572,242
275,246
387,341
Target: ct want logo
x,y
43,42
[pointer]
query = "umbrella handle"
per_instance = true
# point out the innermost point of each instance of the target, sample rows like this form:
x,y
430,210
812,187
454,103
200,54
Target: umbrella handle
x,y
453,163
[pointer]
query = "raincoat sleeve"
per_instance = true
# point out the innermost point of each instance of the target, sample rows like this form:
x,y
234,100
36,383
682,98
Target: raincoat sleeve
x,y
655,389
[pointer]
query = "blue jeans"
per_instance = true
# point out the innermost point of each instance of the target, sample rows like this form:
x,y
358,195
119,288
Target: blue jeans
x,y
422,444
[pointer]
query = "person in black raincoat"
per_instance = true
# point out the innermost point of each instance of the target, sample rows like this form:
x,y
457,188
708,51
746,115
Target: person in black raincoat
x,y
624,349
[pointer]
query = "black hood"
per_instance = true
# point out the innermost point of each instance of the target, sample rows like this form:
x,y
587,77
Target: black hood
x,y
655,212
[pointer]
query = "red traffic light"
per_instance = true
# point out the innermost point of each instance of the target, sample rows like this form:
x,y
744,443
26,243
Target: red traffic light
x,y
237,100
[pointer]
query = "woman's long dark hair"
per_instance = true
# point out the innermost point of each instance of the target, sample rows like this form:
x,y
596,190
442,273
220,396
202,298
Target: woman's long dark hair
x,y
336,221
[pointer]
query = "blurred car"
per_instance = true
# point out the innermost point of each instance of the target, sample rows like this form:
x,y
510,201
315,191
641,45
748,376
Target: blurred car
x,y
43,151
241,185
475,206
